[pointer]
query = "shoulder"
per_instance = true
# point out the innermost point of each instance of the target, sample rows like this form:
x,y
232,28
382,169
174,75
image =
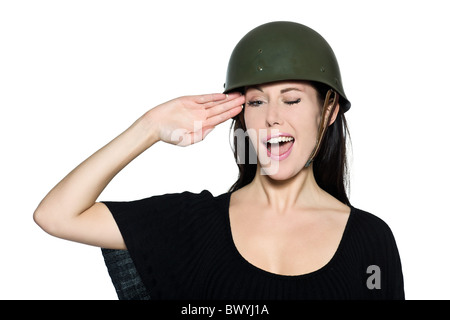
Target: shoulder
x,y
169,208
374,241
187,200
162,202
179,198
159,216
370,229
368,220
189,203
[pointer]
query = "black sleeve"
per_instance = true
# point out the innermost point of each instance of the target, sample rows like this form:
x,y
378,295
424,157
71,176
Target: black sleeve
x,y
394,276
382,252
157,232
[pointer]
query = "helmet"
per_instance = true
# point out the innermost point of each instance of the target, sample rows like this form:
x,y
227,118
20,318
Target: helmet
x,y
283,50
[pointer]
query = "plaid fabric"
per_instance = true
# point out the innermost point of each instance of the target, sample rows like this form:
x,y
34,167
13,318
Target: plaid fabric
x,y
126,280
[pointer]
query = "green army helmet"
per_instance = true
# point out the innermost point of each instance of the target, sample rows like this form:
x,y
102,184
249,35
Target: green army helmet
x,y
284,50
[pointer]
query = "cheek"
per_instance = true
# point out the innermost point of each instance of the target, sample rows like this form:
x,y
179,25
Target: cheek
x,y
252,119
252,126
306,127
304,123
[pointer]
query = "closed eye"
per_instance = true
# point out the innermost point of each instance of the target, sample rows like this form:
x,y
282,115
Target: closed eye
x,y
293,102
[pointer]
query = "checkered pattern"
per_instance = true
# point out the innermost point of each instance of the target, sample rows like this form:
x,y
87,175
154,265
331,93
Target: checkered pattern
x,y
126,280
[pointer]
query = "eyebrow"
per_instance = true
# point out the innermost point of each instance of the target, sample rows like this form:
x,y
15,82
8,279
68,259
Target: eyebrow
x,y
289,89
281,91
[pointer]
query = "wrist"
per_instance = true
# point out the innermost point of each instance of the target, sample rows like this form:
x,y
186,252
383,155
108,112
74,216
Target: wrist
x,y
147,128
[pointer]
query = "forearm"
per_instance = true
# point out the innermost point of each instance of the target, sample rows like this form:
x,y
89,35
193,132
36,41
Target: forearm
x,y
79,190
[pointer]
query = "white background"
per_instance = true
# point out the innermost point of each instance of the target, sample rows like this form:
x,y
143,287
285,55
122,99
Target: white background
x,y
75,74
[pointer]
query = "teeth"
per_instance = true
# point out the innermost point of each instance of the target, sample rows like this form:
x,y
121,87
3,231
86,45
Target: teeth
x,y
280,139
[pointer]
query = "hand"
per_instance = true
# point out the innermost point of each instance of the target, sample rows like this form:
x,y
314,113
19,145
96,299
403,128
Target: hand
x,y
186,120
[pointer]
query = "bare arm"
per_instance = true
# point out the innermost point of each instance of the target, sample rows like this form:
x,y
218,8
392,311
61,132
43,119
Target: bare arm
x,y
70,210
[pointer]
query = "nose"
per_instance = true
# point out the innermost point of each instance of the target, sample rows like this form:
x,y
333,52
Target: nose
x,y
273,116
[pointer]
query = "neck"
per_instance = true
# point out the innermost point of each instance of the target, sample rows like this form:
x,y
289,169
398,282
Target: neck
x,y
280,196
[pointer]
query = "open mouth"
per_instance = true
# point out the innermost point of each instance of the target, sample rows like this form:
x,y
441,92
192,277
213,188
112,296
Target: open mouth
x,y
279,147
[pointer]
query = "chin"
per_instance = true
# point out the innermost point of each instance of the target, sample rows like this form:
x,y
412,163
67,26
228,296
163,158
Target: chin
x,y
279,172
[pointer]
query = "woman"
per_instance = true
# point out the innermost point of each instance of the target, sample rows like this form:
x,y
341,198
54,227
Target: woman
x,y
285,230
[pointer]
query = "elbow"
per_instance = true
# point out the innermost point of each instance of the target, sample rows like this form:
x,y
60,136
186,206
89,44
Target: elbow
x,y
43,218
38,218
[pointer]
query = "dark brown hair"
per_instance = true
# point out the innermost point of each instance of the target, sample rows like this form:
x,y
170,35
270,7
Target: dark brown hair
x,y
330,166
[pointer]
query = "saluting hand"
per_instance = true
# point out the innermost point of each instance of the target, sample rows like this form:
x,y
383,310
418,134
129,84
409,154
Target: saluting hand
x,y
186,120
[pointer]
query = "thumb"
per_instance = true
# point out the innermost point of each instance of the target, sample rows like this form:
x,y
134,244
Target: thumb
x,y
200,134
206,131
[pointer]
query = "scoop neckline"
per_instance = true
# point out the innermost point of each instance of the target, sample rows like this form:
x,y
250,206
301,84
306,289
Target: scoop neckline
x,y
249,265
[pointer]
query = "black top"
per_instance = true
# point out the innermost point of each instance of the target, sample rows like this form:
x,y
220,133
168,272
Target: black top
x,y
182,247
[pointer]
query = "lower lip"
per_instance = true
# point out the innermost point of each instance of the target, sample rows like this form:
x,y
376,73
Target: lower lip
x,y
281,156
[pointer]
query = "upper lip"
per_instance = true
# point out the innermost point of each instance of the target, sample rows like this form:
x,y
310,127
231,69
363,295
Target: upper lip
x,y
280,134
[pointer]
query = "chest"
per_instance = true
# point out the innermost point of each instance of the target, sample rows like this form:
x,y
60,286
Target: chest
x,y
291,244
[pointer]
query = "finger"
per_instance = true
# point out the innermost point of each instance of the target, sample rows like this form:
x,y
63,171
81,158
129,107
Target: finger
x,y
228,97
224,107
222,117
212,97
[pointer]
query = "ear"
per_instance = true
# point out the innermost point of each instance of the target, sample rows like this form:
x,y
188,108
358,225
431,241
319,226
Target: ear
x,y
335,113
